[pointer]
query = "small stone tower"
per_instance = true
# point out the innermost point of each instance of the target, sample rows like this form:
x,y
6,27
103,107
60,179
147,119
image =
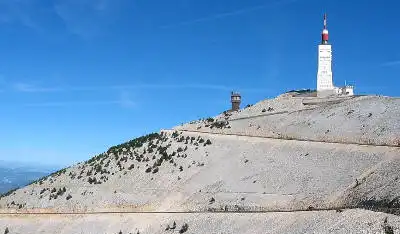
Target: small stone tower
x,y
236,99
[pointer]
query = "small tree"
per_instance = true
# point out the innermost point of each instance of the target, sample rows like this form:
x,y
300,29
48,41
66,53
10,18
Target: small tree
x,y
184,228
6,231
155,170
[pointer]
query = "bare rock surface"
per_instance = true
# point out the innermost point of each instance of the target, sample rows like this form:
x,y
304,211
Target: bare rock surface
x,y
235,172
277,155
360,120
347,221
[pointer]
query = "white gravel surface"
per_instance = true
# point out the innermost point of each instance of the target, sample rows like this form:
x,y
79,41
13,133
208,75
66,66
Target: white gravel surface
x,y
360,120
348,221
236,173
247,172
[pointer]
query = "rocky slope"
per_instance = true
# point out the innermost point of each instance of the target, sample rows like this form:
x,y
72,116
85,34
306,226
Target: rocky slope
x,y
346,221
373,120
277,155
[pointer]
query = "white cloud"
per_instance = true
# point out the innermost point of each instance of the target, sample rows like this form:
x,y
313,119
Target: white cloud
x,y
391,63
23,12
86,18
231,13
125,100
25,87
72,103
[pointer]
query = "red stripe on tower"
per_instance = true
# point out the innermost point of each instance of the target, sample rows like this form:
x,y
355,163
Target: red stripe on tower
x,y
325,33
325,37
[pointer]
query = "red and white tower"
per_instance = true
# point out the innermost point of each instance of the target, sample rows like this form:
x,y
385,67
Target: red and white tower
x,y
325,33
324,77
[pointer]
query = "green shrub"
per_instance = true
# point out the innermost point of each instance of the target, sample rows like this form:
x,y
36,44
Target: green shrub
x,y
155,170
175,134
184,228
210,120
135,143
387,228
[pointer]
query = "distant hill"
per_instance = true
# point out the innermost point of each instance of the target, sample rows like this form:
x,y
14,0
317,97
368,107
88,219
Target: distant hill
x,y
14,175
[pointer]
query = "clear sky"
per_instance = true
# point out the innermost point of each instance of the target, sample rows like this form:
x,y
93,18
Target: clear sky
x,y
78,76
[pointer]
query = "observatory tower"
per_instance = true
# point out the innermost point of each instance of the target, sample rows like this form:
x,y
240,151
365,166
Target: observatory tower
x,y
324,78
325,85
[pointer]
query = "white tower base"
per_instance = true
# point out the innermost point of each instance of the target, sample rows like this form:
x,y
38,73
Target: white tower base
x,y
324,78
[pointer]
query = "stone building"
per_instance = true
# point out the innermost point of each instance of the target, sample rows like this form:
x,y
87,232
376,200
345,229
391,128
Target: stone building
x,y
236,99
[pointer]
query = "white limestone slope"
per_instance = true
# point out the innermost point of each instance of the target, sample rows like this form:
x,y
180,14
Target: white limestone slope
x,y
201,168
238,173
360,120
347,221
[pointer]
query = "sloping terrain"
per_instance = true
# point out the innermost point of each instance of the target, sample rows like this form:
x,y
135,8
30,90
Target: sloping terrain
x,y
283,160
222,172
372,120
346,221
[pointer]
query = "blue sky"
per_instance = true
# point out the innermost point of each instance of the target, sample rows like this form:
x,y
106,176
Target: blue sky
x,y
78,76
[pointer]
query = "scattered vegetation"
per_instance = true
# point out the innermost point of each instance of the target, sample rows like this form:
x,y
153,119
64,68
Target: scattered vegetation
x,y
210,120
212,200
387,228
135,143
184,228
384,205
6,194
269,109
220,124
168,228
6,231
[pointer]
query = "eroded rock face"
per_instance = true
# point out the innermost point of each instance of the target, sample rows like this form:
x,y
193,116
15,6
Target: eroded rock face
x,y
137,174
360,120
218,165
185,170
343,221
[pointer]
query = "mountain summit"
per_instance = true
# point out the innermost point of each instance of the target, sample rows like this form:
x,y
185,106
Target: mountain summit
x,y
255,170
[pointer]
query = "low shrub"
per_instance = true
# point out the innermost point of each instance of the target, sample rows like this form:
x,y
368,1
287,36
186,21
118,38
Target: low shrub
x,y
155,170
184,228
